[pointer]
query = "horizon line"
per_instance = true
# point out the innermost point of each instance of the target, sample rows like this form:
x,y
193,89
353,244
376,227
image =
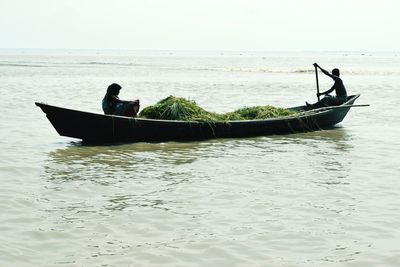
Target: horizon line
x,y
198,50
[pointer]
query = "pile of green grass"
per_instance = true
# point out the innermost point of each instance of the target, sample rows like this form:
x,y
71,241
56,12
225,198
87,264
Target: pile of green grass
x,y
258,113
177,108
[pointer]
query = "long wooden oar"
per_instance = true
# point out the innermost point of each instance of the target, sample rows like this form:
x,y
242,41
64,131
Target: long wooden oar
x,y
316,76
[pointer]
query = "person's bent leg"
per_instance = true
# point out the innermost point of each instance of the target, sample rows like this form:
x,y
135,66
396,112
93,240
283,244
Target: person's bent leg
x,y
132,109
324,102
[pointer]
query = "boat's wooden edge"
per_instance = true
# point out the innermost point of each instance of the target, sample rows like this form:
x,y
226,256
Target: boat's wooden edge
x,y
299,115
40,104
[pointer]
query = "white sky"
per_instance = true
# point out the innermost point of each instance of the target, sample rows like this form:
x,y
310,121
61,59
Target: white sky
x,y
201,25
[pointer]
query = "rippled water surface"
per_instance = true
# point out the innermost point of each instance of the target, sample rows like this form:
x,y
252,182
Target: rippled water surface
x,y
326,198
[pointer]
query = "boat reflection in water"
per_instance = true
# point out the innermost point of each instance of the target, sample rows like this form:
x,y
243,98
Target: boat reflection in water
x,y
178,161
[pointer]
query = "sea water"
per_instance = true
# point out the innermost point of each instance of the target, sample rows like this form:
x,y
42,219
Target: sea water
x,y
325,198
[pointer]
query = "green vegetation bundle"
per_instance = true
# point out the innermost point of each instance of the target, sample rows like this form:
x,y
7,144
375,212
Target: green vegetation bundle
x,y
177,108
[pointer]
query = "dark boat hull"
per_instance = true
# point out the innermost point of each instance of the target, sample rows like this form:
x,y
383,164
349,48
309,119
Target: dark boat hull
x,y
98,128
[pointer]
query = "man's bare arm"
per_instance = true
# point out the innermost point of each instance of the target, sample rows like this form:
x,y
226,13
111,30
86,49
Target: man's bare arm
x,y
327,91
324,71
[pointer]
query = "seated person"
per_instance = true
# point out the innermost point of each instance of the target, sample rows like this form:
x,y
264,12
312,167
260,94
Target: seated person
x,y
112,105
338,86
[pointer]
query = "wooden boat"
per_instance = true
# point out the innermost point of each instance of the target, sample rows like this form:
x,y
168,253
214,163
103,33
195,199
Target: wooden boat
x,y
99,128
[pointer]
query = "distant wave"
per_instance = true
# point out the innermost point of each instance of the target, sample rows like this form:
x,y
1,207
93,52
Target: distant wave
x,y
183,68
21,65
303,71
348,72
269,70
63,64
108,63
